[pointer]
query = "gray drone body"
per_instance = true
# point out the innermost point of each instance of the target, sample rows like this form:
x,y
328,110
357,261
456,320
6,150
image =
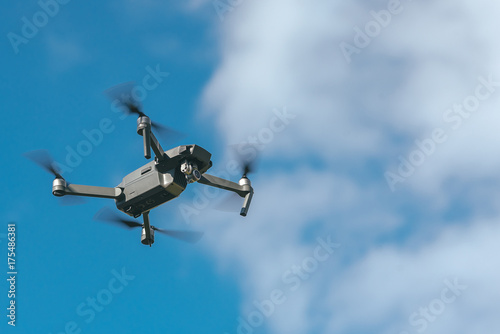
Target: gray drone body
x,y
158,182
155,183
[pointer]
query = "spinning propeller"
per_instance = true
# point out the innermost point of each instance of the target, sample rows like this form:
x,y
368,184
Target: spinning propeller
x,y
248,165
43,159
246,156
124,95
108,215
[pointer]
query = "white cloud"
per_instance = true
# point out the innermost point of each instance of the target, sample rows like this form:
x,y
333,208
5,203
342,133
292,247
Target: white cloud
x,y
355,119
277,234
282,58
390,284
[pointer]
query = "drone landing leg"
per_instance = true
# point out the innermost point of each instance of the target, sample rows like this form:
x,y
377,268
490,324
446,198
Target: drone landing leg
x,y
147,227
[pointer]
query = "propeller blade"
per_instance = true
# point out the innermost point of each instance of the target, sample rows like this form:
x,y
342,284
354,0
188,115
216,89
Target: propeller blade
x,y
108,215
246,154
43,159
187,236
166,134
123,93
134,108
70,200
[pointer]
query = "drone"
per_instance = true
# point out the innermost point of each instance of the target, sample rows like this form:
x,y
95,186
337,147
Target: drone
x,y
157,182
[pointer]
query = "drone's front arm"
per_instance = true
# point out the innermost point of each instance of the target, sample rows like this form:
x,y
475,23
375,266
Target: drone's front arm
x,y
157,149
60,188
244,189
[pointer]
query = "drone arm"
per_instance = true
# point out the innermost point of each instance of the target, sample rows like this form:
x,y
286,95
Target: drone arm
x,y
147,226
146,136
217,182
246,203
244,190
93,191
59,188
157,149
150,142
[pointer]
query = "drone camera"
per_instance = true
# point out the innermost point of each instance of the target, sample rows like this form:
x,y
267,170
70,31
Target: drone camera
x,y
191,171
196,175
186,168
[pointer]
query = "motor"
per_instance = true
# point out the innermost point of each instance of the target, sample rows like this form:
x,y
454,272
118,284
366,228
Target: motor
x,y
144,238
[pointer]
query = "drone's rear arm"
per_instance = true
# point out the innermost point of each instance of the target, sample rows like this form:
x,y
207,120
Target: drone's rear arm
x,y
244,189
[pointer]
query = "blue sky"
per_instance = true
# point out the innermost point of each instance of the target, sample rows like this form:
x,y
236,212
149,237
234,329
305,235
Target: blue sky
x,y
375,207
